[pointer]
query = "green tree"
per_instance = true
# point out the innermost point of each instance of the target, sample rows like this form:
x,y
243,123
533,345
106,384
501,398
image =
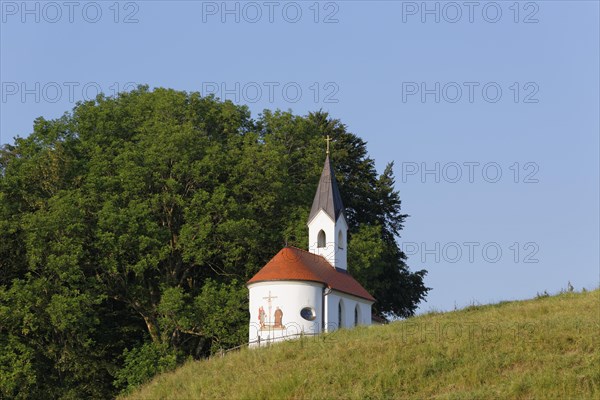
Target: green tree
x,y
129,226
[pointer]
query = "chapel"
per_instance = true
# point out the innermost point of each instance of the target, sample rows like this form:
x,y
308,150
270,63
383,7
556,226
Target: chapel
x,y
306,292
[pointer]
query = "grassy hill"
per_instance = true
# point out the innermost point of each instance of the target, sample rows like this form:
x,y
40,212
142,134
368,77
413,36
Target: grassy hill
x,y
546,348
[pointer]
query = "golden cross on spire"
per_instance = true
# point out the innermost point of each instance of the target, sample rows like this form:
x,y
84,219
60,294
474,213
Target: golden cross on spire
x,y
328,139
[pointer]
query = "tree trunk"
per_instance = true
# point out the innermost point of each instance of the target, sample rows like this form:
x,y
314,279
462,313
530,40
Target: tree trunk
x,y
152,329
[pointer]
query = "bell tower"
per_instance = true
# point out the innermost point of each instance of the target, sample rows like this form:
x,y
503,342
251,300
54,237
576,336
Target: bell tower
x,y
327,226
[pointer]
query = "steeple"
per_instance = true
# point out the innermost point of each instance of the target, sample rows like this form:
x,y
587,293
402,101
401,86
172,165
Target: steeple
x,y
328,196
327,227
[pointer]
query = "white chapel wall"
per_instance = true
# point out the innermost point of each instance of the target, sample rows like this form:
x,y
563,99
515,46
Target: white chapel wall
x,y
324,222
334,251
341,247
290,297
349,304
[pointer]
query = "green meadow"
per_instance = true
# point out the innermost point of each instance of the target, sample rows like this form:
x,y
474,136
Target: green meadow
x,y
544,348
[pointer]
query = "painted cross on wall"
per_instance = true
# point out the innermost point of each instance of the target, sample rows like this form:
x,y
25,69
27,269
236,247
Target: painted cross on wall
x,y
272,320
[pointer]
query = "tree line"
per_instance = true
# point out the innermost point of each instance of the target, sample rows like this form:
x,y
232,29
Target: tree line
x,y
129,226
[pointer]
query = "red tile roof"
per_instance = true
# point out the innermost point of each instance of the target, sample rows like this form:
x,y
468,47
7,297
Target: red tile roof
x,y
293,264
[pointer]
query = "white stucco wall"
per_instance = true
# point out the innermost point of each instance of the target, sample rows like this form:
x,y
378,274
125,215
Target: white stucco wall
x,y
349,303
335,250
290,297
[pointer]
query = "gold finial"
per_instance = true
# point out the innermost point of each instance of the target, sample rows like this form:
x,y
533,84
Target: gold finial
x,y
328,140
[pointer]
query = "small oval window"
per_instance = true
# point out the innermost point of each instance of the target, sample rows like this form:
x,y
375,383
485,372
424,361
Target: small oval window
x,y
308,313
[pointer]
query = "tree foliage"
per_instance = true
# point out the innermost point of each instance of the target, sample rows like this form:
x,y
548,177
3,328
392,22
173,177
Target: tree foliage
x,y
129,226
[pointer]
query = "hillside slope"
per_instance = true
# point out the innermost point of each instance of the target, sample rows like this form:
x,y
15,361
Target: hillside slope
x,y
547,348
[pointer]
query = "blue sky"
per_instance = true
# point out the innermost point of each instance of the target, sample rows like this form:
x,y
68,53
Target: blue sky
x,y
489,110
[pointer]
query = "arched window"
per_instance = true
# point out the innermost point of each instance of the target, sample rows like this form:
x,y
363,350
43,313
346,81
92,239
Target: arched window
x,y
340,315
340,240
356,315
321,240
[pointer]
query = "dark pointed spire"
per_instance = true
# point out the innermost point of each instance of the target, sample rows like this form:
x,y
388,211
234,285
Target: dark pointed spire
x,y
328,196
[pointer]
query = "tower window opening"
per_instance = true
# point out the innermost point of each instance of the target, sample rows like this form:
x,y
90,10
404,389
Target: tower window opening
x,y
321,239
340,240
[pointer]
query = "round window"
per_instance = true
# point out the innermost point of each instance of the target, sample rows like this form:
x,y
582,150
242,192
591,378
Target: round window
x,y
308,313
